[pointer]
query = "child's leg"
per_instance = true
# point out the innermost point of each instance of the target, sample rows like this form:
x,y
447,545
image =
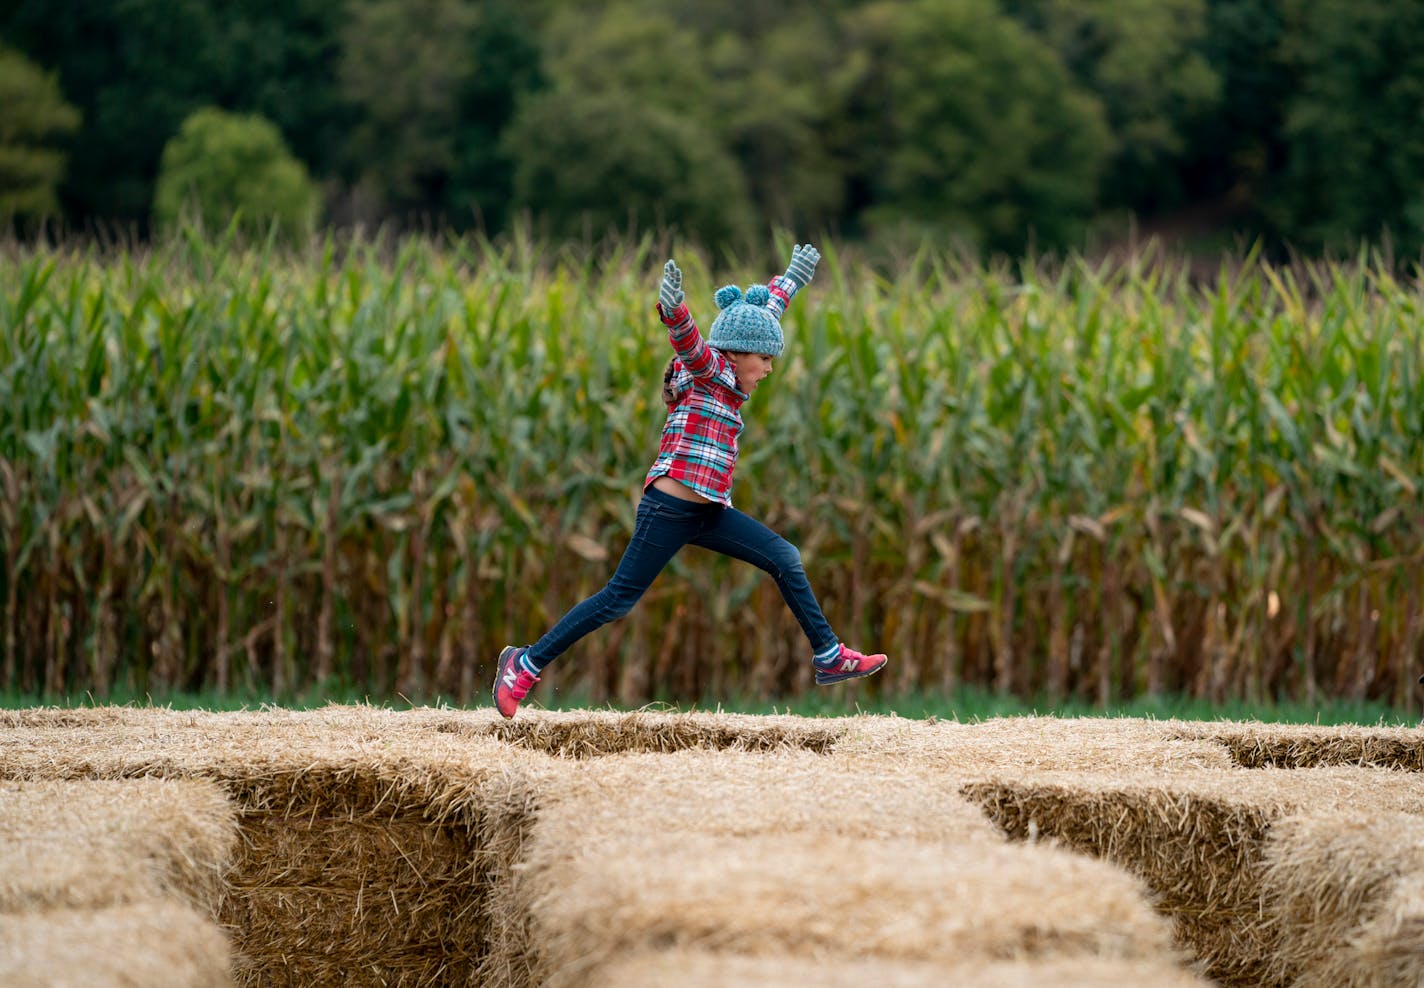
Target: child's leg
x,y
742,537
663,526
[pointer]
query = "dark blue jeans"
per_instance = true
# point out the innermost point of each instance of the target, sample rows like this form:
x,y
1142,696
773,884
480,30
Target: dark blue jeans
x,y
664,525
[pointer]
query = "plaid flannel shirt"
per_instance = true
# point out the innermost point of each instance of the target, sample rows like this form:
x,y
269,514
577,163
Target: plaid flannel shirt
x,y
699,441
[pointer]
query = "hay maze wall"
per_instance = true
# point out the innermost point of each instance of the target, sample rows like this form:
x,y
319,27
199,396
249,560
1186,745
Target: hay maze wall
x,y
432,847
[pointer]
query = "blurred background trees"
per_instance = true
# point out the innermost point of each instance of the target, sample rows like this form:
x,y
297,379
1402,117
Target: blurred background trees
x,y
224,168
34,116
999,124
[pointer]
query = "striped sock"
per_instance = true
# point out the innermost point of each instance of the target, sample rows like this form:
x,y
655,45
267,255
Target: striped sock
x,y
827,657
525,664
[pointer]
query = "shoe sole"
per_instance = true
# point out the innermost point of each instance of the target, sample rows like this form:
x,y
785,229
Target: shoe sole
x,y
824,680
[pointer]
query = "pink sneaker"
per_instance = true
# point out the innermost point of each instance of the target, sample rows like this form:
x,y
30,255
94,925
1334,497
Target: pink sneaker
x,y
513,682
850,664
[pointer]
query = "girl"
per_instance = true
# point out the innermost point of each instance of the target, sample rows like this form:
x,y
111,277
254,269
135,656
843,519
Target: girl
x,y
687,495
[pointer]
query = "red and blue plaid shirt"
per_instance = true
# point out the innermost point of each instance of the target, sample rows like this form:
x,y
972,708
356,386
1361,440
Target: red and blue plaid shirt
x,y
699,442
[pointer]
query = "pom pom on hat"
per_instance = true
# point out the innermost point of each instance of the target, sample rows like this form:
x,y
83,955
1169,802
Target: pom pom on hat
x,y
727,295
746,324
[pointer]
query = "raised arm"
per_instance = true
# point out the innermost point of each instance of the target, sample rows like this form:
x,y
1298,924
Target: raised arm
x,y
798,275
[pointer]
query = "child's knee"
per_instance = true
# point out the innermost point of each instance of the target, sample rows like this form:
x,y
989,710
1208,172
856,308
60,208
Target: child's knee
x,y
617,601
786,559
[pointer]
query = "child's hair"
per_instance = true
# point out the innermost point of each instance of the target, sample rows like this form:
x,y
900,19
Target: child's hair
x,y
670,397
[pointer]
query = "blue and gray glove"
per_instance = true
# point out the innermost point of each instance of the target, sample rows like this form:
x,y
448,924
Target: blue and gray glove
x,y
670,294
803,265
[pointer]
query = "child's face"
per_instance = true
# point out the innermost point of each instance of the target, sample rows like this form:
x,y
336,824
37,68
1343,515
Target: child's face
x,y
750,369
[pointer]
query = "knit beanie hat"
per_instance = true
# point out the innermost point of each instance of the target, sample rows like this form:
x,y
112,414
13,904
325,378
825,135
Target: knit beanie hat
x,y
745,324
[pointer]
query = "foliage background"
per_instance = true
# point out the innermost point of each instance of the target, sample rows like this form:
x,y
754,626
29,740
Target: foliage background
x,y
1002,125
369,465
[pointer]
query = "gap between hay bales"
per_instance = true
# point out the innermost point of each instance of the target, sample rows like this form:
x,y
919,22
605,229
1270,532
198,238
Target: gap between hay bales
x,y
1201,858
347,878
1281,746
596,736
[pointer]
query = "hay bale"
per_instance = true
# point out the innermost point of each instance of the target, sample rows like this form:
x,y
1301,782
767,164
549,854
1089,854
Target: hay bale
x,y
380,891
1039,744
706,969
1198,840
83,844
1346,891
142,944
774,855
367,851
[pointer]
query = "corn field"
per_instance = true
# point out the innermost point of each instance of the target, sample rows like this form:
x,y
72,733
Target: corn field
x,y
373,464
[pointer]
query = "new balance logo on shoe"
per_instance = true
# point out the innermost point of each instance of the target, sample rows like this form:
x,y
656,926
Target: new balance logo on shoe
x,y
510,678
849,665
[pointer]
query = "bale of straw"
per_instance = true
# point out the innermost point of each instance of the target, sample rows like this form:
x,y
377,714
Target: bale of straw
x,y
1347,893
368,836
1196,838
1313,746
706,969
781,854
1093,744
97,843
140,944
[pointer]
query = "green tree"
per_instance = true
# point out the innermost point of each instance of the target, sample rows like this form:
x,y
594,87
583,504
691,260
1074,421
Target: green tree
x,y
137,68
402,64
1144,60
34,118
973,127
1354,149
1235,153
505,65
222,166
591,163
772,93
782,99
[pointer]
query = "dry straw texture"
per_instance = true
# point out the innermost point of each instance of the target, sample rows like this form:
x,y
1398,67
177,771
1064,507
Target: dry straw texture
x,y
597,848
365,833
83,844
707,969
1029,744
1198,838
1347,891
791,855
1304,746
150,944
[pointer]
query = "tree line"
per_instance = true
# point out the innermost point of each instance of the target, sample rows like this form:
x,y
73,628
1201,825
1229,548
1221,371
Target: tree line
x,y
1005,125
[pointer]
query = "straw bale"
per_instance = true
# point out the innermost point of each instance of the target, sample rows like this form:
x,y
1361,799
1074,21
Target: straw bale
x,y
1029,744
1314,746
399,846
143,944
1390,950
771,855
737,793
897,898
1196,838
346,814
706,969
97,843
1347,893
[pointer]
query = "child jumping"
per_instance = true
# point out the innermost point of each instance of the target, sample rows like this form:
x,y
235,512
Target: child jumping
x,y
687,495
